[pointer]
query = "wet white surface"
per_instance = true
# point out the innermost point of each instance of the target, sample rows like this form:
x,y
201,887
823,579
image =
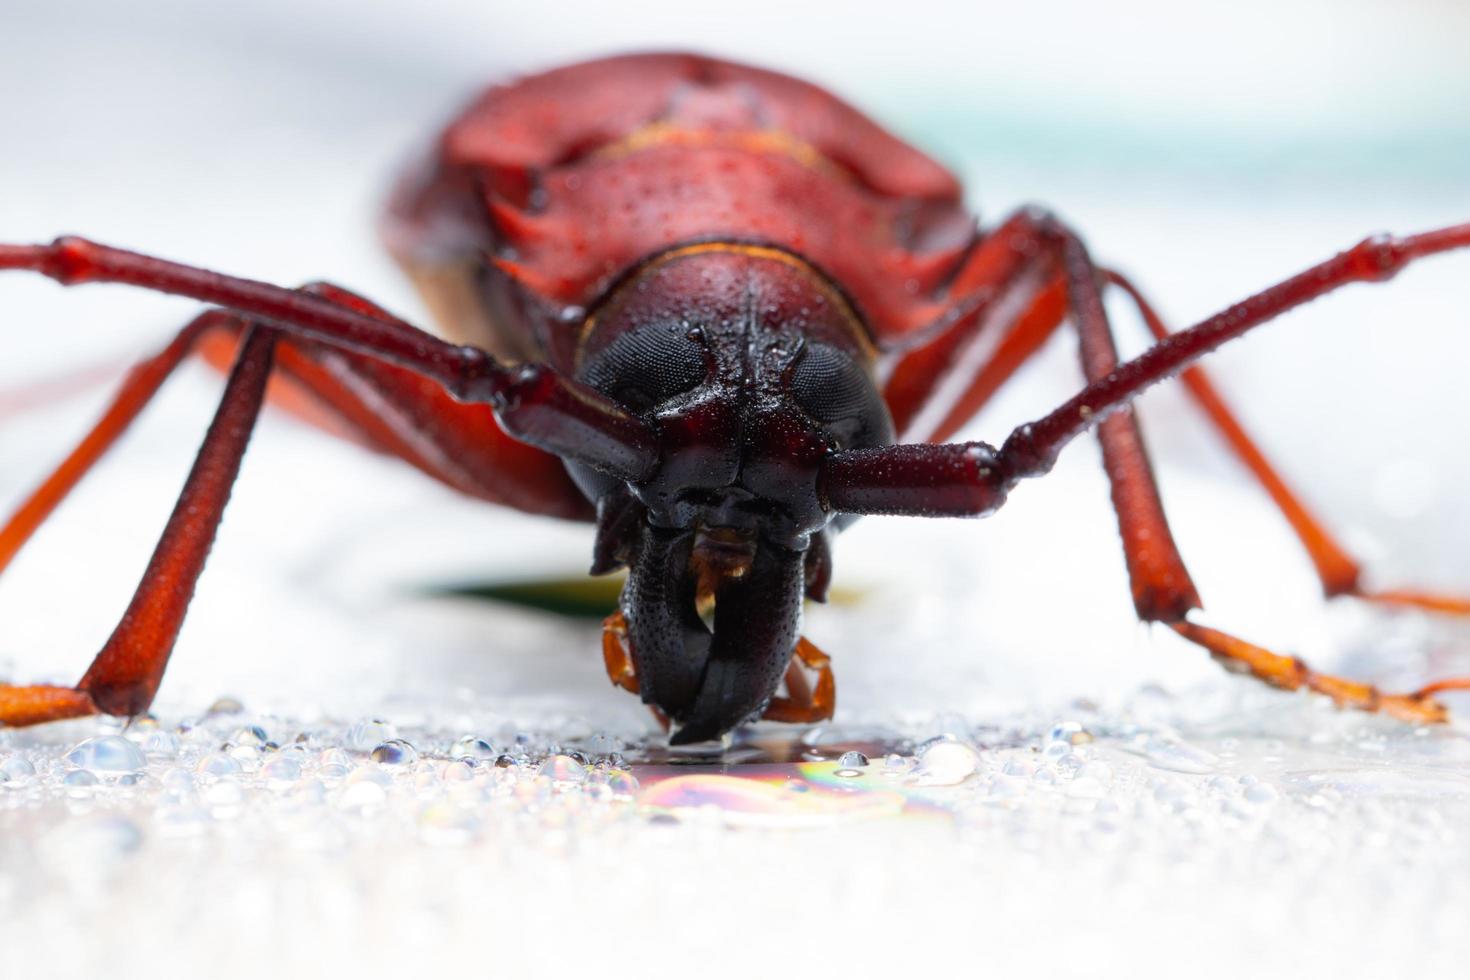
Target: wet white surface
x,y
1107,801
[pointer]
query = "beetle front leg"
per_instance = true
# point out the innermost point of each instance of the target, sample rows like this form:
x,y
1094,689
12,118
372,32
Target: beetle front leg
x,y
806,700
125,675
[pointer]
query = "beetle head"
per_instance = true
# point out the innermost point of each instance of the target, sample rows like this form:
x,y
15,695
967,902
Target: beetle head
x,y
753,369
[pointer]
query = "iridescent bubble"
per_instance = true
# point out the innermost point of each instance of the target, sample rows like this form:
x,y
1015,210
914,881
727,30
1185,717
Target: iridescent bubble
x,y
563,770
107,753
751,802
623,784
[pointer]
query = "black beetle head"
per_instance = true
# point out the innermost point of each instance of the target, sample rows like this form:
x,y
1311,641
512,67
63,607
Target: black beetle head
x,y
753,370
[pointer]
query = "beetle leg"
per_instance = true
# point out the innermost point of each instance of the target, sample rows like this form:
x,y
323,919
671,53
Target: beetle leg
x,y
384,408
618,660
973,478
1009,300
533,403
1339,572
125,674
805,701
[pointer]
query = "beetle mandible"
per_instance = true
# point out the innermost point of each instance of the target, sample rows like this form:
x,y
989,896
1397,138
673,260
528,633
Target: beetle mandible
x,y
717,312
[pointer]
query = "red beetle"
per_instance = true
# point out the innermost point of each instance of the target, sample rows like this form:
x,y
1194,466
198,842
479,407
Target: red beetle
x,y
719,313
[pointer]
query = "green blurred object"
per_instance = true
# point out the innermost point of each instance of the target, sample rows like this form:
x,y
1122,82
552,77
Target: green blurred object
x,y
582,597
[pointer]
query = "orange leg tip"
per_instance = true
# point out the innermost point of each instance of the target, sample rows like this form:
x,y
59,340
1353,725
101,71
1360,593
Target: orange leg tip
x,y
35,705
1427,601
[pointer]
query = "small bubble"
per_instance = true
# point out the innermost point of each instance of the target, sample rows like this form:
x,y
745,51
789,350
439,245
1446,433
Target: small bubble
x,y
79,779
395,752
107,753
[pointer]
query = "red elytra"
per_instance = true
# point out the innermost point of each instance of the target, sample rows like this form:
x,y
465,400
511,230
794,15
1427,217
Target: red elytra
x,y
720,313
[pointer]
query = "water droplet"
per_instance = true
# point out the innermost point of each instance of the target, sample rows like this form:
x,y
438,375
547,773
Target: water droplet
x,y
225,797
1261,793
1086,788
1070,732
362,795
335,757
459,771
395,752
602,744
623,784
107,753
946,763
162,744
853,760
446,825
178,782
281,773
1173,755
563,770
16,770
367,735
225,706
472,747
250,735
217,765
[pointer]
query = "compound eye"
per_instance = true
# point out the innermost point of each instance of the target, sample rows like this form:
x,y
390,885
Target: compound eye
x,y
646,367
835,390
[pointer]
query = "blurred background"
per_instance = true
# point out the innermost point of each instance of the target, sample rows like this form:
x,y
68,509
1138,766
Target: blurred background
x,y
1207,150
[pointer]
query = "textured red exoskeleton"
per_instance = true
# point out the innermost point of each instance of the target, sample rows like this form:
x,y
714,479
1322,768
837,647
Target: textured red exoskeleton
x,y
719,313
